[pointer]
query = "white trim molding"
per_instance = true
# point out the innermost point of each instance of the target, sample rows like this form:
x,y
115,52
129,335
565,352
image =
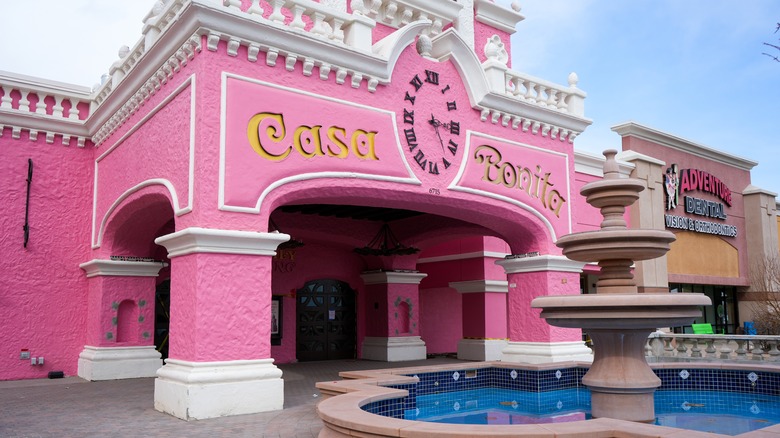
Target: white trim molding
x,y
200,390
540,264
118,268
112,363
481,349
393,349
480,286
497,16
546,352
633,129
205,240
392,277
463,256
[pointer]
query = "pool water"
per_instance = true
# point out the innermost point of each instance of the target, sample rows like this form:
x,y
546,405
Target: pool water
x,y
728,413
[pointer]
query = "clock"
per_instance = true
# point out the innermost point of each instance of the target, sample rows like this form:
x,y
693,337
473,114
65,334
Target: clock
x,y
430,130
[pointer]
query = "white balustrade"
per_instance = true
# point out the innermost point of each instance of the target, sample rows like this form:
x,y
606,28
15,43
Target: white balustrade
x,y
544,94
17,91
672,347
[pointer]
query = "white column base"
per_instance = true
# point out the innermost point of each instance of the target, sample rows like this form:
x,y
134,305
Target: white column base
x,y
200,390
481,349
112,363
546,352
394,349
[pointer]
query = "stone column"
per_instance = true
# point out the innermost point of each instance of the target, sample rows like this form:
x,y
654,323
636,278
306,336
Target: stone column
x,y
120,321
647,213
531,339
220,346
391,309
484,319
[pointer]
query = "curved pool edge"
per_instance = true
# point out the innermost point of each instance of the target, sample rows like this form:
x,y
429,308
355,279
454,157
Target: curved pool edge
x,y
342,416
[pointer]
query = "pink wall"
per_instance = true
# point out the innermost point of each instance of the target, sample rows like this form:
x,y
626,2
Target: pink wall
x,y
106,294
43,292
441,323
525,324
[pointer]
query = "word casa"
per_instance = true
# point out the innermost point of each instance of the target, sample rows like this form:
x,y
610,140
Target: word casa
x,y
273,143
535,184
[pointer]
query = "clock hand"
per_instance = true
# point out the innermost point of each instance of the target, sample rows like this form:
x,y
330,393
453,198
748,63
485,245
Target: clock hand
x,y
436,125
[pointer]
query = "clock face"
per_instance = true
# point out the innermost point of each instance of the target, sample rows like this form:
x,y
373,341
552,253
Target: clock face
x,y
430,128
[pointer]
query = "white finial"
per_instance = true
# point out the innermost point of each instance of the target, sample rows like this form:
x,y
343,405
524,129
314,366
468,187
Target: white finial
x,y
573,79
424,45
495,50
516,6
123,51
358,7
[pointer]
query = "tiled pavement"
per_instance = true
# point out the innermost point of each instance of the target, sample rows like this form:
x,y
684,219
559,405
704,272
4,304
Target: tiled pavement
x,y
72,407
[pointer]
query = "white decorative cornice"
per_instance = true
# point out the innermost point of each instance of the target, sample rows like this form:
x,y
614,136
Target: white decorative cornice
x,y
463,256
540,264
480,286
117,268
173,65
634,129
392,277
205,240
592,164
495,15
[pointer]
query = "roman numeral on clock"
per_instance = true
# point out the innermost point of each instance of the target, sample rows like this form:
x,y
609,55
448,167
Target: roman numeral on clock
x,y
421,160
431,77
416,82
408,117
453,147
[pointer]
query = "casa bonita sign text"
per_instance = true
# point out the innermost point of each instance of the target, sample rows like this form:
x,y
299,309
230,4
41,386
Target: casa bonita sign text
x,y
677,181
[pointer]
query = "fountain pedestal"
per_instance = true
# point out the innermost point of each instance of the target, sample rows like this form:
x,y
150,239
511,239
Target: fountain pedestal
x,y
617,318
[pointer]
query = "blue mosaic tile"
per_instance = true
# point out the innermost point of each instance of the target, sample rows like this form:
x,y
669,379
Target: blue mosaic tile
x,y
545,381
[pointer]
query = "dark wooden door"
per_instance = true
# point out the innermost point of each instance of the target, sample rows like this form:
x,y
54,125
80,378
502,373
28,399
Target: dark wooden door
x,y
325,316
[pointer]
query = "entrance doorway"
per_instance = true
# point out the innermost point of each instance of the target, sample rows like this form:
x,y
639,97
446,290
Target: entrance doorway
x,y
325,321
162,319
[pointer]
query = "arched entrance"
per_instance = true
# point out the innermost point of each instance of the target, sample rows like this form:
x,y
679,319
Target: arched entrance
x,y
326,321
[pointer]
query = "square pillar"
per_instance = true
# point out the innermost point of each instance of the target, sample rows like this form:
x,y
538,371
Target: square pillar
x,y
392,313
484,319
531,339
220,326
120,320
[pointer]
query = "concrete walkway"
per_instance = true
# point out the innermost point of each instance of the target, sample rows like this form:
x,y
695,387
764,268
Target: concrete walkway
x,y
72,407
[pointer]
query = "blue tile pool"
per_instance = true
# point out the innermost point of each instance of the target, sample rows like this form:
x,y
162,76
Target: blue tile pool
x,y
711,400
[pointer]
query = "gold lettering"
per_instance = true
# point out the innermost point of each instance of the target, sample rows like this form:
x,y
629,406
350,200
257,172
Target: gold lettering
x,y
339,142
313,138
518,177
361,138
275,132
483,154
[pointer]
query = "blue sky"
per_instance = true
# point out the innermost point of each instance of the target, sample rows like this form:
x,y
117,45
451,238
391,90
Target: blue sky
x,y
692,68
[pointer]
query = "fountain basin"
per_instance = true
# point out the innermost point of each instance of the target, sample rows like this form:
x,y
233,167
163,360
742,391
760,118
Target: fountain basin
x,y
625,244
614,311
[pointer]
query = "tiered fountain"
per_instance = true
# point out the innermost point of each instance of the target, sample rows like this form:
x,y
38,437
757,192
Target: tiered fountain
x,y
618,318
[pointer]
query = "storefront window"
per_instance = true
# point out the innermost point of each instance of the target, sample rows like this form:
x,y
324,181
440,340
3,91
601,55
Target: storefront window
x,y
722,314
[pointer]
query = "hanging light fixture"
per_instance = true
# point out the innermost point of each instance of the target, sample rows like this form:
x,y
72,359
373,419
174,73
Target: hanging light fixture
x,y
386,244
290,244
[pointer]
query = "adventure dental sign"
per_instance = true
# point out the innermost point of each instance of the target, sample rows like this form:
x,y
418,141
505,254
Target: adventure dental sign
x,y
271,134
680,181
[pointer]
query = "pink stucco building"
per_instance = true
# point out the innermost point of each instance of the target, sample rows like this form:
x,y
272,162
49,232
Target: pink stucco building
x,y
266,182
